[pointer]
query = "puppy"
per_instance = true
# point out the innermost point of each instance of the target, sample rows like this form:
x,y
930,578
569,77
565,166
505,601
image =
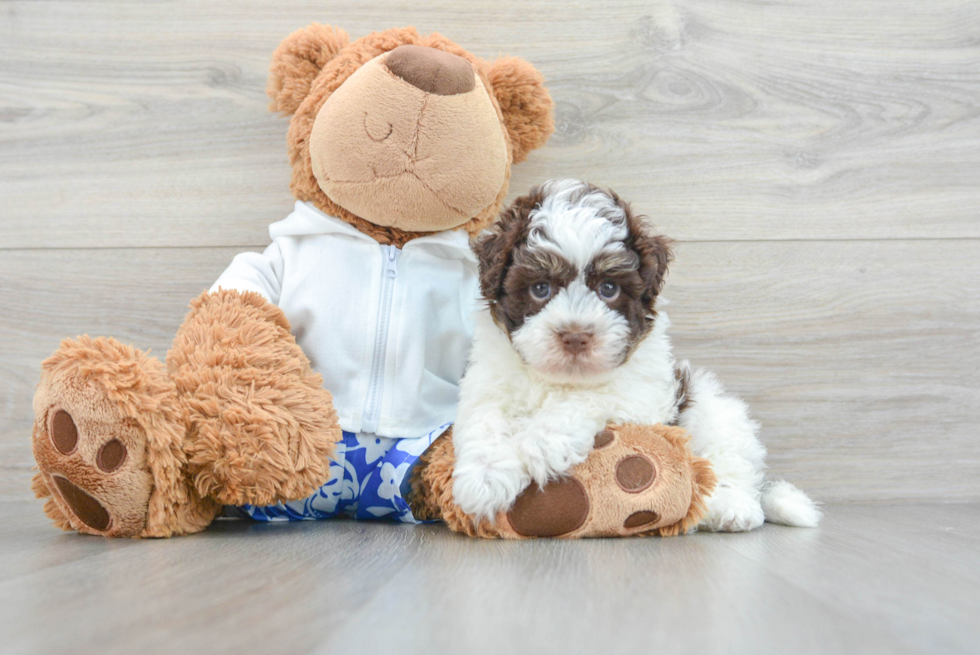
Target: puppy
x,y
570,340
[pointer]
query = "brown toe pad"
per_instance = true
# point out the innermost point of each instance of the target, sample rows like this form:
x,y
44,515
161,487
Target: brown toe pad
x,y
85,507
64,434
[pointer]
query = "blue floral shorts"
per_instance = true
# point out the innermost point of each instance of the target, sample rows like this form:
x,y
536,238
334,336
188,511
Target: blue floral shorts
x,y
368,480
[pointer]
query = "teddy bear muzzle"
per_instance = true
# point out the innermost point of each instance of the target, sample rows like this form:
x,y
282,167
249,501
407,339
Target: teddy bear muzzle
x,y
411,140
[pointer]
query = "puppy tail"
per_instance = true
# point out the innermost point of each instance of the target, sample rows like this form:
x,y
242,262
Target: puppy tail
x,y
785,504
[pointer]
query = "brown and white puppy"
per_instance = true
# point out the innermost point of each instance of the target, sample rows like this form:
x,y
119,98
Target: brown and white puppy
x,y
569,341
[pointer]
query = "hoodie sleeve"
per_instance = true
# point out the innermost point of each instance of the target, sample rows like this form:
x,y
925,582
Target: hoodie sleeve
x,y
252,271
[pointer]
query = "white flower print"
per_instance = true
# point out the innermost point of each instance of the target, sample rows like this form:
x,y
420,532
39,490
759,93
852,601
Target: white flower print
x,y
391,480
326,499
351,488
374,447
414,446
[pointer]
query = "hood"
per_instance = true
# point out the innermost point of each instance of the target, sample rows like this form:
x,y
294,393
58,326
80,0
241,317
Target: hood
x,y
307,220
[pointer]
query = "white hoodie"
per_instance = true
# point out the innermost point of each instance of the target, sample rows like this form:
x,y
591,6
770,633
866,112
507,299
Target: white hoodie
x,y
389,329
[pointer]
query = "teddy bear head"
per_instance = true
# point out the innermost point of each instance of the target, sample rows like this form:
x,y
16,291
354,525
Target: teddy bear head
x,y
403,135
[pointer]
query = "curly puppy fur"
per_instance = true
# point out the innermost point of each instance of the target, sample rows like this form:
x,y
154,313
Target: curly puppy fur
x,y
571,340
313,62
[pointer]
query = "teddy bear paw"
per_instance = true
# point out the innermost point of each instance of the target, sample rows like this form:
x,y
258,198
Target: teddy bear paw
x,y
637,480
92,459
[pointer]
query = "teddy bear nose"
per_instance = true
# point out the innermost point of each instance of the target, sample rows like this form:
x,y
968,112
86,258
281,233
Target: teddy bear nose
x,y
575,342
431,70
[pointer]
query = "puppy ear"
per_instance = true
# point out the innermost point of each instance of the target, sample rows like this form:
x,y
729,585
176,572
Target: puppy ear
x,y
654,250
298,60
529,113
495,247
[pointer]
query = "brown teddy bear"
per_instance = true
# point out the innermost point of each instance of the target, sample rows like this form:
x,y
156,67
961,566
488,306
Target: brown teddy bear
x,y
401,147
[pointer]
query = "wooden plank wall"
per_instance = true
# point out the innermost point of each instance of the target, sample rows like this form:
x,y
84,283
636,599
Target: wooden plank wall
x,y
818,162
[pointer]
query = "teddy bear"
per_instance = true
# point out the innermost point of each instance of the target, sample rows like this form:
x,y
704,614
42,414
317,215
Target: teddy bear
x,y
319,377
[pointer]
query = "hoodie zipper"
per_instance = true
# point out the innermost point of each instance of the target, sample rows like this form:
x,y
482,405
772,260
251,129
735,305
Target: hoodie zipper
x,y
372,405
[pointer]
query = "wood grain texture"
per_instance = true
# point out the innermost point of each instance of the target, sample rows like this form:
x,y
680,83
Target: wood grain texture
x,y
818,162
871,579
859,358
127,123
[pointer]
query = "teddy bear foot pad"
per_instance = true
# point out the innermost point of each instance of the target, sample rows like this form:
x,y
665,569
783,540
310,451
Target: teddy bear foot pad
x,y
92,458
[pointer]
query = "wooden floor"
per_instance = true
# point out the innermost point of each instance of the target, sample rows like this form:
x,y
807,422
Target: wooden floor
x,y
818,162
873,579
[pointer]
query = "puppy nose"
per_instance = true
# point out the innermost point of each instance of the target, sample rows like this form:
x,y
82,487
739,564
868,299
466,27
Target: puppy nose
x,y
575,342
431,70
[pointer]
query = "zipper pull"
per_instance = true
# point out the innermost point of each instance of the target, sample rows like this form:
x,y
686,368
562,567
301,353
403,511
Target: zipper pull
x,y
391,266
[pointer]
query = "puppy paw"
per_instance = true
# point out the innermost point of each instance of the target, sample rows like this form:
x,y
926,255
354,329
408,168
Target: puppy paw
x,y
732,510
483,489
548,456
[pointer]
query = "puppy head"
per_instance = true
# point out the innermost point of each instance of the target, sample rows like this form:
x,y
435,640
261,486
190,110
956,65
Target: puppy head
x,y
572,275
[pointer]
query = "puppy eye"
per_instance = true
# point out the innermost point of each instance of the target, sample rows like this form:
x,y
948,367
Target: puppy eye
x,y
608,290
541,290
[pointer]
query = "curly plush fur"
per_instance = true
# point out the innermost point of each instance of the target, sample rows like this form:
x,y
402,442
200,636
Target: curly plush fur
x,y
252,396
297,61
239,417
108,384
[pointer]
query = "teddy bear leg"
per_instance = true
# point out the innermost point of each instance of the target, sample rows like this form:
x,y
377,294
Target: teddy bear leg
x,y
638,480
263,425
106,439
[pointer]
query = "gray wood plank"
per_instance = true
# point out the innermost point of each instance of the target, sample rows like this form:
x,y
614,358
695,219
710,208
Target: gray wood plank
x,y
239,587
859,358
862,582
128,123
938,547
818,162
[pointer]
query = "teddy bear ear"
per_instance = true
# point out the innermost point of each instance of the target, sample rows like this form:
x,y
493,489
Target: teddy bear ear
x,y
528,110
298,60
